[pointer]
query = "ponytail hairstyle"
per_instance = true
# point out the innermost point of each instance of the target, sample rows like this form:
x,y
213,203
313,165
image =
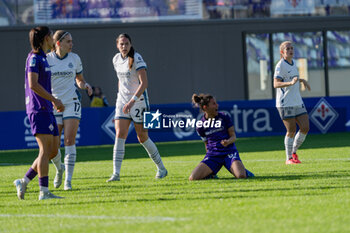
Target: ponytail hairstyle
x,y
37,36
59,36
201,100
283,46
132,50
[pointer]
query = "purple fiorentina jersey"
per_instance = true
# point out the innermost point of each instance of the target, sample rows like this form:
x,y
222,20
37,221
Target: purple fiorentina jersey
x,y
37,63
213,136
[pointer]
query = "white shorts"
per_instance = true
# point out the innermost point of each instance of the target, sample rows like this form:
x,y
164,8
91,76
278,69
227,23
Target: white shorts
x,y
136,111
71,111
291,112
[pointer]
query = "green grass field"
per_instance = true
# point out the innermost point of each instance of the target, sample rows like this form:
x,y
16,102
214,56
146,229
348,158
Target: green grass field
x,y
311,197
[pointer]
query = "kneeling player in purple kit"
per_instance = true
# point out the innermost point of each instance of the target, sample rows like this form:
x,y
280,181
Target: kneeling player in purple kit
x,y
219,139
39,102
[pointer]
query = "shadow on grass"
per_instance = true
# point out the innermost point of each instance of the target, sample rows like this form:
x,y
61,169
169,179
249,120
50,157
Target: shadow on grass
x,y
133,151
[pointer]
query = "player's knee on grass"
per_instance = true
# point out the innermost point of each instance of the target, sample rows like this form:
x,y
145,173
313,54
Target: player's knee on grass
x,y
238,170
193,177
241,175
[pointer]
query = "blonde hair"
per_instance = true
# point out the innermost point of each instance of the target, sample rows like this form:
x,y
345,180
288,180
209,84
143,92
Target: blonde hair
x,y
283,46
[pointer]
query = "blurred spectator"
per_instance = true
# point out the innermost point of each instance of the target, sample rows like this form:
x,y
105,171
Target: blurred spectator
x,y
173,7
212,9
98,99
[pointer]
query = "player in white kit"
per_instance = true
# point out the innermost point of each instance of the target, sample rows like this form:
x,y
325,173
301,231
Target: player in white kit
x,y
289,102
66,77
131,102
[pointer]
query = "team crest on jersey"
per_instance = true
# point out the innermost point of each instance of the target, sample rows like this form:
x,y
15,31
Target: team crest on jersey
x,y
51,127
323,115
70,65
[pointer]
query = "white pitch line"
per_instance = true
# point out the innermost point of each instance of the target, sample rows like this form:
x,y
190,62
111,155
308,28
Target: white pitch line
x,y
98,217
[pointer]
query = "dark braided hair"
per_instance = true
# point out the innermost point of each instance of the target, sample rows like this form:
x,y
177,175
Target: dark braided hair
x,y
37,36
201,100
131,52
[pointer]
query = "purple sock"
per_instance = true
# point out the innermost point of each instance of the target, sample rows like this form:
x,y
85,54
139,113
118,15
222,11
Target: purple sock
x,y
44,181
31,173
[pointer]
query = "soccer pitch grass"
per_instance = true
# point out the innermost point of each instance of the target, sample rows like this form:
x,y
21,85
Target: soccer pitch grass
x,y
310,197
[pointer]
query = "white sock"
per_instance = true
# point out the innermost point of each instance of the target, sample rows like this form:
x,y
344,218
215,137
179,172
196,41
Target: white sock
x,y
43,188
118,155
288,145
69,161
298,140
26,180
57,160
153,153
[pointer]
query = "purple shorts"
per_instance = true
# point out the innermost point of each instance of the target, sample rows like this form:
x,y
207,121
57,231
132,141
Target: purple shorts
x,y
215,163
43,123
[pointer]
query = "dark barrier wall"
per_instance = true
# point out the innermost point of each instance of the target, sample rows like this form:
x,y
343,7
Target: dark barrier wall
x,y
182,57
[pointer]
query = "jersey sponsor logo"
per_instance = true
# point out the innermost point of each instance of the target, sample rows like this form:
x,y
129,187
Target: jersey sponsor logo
x,y
123,74
214,131
323,115
63,73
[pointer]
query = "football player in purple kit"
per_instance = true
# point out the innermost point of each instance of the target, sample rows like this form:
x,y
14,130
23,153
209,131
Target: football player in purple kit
x,y
219,139
39,106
